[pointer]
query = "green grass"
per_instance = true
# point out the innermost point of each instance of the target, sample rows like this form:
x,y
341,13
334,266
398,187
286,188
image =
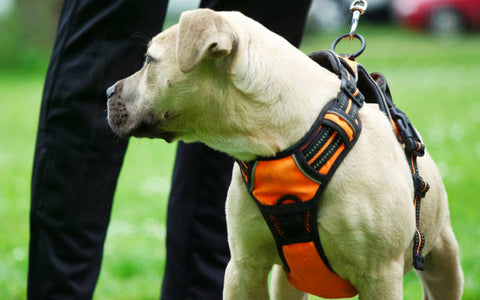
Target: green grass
x,y
435,81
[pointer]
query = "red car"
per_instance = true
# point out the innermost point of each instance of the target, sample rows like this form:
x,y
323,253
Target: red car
x,y
443,16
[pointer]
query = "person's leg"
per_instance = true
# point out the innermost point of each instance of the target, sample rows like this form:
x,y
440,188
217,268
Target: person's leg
x,y
77,157
197,250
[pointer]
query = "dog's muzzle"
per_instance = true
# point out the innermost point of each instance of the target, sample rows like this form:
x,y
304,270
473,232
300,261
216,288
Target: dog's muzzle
x,y
117,111
126,125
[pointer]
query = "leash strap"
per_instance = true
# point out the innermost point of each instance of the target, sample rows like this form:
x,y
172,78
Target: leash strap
x,y
414,147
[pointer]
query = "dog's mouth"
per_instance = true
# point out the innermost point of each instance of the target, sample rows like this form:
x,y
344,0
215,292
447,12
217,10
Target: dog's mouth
x,y
145,130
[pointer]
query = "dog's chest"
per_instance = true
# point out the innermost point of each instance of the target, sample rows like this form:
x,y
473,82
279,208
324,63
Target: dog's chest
x,y
287,189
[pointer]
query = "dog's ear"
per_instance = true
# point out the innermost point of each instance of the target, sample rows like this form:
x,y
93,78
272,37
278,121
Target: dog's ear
x,y
202,33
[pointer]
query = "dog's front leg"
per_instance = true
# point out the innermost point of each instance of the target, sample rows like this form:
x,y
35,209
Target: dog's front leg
x,y
386,283
281,288
245,280
252,247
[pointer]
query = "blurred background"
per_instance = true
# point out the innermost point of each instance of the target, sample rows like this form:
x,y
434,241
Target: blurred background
x,y
429,50
30,25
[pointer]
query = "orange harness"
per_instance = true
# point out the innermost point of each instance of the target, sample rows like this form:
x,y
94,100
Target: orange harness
x,y
287,188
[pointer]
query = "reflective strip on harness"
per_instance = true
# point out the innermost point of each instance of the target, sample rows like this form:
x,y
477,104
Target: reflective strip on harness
x,y
347,128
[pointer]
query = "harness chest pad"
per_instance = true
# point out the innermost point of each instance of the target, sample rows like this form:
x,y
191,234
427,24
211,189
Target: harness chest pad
x,y
287,188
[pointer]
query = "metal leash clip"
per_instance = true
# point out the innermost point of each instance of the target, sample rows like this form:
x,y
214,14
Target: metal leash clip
x,y
358,8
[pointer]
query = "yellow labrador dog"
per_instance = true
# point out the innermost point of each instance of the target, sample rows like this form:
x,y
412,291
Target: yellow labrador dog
x,y
225,80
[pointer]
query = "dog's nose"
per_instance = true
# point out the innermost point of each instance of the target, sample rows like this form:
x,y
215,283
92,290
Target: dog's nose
x,y
110,92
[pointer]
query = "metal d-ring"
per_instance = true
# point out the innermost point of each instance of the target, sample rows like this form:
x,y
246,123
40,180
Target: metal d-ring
x,y
347,35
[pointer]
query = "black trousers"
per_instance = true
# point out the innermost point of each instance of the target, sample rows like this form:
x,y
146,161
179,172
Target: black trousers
x,y
78,159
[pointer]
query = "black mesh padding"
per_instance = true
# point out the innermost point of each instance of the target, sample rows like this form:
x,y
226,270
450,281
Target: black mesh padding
x,y
290,223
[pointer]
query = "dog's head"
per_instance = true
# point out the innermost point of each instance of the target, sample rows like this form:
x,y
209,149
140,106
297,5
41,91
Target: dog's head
x,y
216,77
152,102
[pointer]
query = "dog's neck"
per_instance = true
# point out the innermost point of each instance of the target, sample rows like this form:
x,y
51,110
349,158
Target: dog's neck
x,y
272,95
291,95
272,111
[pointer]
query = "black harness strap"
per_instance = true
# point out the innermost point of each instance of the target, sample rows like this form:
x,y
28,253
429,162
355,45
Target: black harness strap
x,y
375,89
414,147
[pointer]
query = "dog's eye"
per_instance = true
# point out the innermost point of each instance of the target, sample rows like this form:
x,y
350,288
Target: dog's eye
x,y
148,59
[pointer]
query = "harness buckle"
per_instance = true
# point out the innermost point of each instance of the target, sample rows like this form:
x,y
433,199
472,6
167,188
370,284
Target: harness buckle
x,y
420,185
413,143
350,88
